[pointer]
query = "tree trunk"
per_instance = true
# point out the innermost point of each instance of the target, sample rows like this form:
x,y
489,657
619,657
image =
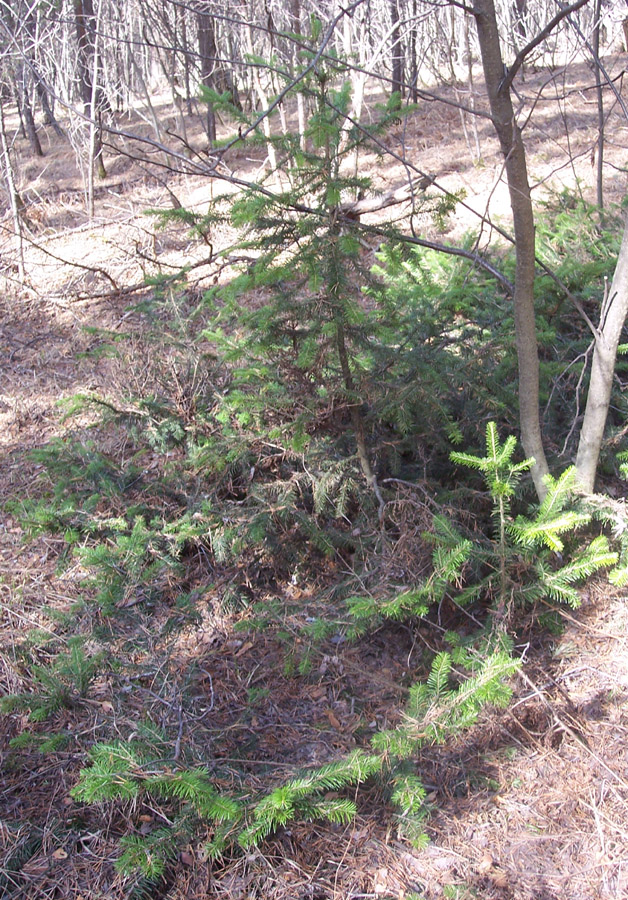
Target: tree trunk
x,y
49,116
414,66
397,50
612,319
207,53
600,104
520,10
14,197
295,25
26,112
31,27
88,66
263,101
511,144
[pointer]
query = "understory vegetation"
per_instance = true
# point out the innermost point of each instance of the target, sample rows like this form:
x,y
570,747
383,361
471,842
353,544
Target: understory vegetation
x,y
318,448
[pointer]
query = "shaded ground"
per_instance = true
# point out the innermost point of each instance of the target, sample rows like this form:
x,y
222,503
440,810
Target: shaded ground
x,y
530,805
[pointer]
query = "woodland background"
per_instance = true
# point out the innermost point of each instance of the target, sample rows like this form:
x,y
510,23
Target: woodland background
x,y
292,295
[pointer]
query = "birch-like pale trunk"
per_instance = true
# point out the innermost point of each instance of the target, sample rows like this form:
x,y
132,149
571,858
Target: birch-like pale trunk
x,y
612,320
14,197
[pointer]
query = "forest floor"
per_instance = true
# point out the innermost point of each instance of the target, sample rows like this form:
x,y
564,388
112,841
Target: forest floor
x,y
531,804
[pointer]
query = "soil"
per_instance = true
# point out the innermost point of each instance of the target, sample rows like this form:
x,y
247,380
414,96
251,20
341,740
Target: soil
x,y
531,804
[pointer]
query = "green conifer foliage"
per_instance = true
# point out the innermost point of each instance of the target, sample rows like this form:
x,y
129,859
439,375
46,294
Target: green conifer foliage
x,y
306,354
62,684
523,558
125,772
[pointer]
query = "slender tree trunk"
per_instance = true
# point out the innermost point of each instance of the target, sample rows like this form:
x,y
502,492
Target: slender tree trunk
x,y
88,67
397,51
414,68
31,27
207,52
295,24
16,99
49,116
24,104
520,14
95,145
14,197
471,104
263,100
186,65
600,104
358,85
612,319
356,416
511,143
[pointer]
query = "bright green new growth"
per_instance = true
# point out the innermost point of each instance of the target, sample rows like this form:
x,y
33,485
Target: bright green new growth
x,y
62,684
524,558
613,513
435,710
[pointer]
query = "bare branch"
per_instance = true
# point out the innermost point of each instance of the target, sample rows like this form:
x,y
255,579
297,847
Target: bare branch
x,y
355,209
540,37
95,270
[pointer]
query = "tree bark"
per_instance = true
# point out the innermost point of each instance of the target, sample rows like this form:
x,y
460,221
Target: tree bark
x,y
612,319
49,116
31,27
397,50
88,66
26,113
295,25
207,53
511,144
599,92
14,198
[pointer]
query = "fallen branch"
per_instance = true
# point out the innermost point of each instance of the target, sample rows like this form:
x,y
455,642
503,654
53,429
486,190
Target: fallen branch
x,y
356,208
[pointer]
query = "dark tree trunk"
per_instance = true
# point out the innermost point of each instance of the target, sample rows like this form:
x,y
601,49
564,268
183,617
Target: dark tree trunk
x,y
83,18
207,53
414,69
397,50
26,114
49,116
511,144
520,9
30,27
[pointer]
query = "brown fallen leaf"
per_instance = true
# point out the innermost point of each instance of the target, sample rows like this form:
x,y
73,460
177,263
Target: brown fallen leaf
x,y
486,864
